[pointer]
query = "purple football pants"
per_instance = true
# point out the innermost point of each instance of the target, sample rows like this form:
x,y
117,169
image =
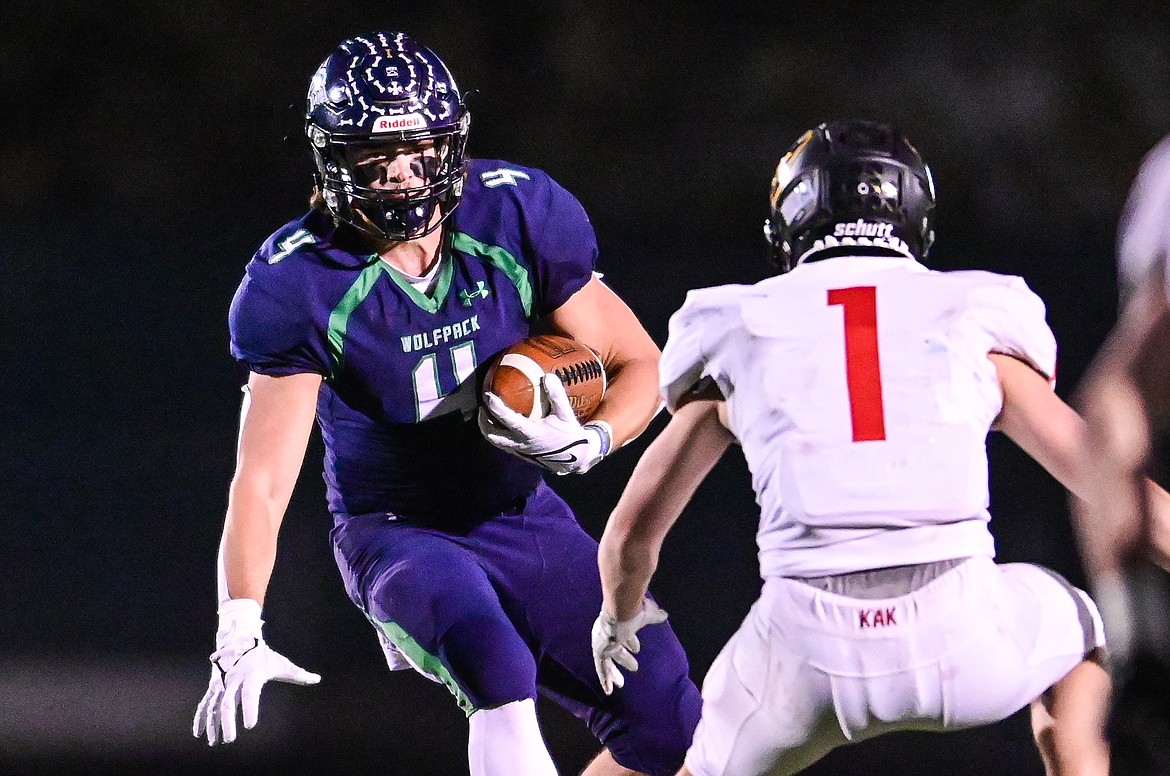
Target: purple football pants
x,y
503,608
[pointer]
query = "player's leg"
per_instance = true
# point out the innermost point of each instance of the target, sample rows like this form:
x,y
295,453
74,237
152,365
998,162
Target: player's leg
x,y
507,740
1058,631
765,709
1067,722
1022,630
1139,719
432,602
647,726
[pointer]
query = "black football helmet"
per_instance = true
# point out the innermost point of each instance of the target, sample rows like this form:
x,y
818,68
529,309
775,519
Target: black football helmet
x,y
846,184
383,91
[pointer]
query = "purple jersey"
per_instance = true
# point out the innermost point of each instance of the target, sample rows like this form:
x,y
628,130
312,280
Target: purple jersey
x,y
402,369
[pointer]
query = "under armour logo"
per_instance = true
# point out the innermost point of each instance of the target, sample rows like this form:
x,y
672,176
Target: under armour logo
x,y
480,291
501,177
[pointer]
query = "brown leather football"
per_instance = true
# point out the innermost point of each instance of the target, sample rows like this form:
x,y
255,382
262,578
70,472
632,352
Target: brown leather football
x,y
515,374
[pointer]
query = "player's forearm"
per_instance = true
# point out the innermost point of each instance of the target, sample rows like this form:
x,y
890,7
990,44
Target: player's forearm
x,y
631,396
275,421
1126,516
662,483
596,316
1110,519
632,541
626,568
248,550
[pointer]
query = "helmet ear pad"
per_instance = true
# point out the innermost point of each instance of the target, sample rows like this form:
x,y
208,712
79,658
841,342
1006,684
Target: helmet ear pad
x,y
387,89
850,183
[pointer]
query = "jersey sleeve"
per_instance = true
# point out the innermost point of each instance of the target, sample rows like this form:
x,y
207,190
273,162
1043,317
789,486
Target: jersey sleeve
x,y
694,348
1013,316
271,324
564,245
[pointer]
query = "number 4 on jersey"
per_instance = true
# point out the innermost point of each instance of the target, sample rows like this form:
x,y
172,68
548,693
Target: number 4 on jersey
x,y
429,399
862,366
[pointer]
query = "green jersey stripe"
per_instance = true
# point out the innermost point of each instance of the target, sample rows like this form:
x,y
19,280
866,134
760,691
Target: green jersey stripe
x,y
430,664
502,260
339,317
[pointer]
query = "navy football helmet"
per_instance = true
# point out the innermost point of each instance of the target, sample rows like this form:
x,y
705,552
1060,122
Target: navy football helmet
x,y
847,184
379,96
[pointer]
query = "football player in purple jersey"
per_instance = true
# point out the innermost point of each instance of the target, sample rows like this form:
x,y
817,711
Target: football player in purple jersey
x,y
373,313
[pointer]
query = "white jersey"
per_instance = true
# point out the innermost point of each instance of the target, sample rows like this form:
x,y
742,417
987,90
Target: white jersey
x,y
861,392
1143,239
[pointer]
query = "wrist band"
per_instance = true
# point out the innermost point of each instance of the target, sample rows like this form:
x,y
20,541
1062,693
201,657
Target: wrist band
x,y
605,433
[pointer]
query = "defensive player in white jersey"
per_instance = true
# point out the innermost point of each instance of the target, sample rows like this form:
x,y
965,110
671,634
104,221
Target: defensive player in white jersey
x,y
1125,398
861,386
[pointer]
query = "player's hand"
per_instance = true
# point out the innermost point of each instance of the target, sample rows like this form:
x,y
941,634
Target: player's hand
x,y
240,666
558,442
616,642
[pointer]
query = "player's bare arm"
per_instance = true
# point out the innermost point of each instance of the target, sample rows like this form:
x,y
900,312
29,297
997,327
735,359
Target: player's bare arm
x,y
662,483
275,423
1054,434
664,480
1126,393
1041,423
596,316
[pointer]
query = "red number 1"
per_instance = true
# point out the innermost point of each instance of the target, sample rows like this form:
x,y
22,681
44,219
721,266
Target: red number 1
x,y
862,369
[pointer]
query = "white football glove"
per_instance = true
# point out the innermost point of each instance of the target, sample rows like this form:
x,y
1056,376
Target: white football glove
x,y
558,442
240,666
615,643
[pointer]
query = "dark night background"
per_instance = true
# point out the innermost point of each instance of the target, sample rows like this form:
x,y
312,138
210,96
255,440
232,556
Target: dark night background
x,y
143,159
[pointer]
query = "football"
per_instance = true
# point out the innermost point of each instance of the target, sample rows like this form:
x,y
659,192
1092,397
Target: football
x,y
514,375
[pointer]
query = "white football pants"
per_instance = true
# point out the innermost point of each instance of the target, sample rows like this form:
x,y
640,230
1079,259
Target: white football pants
x,y
810,670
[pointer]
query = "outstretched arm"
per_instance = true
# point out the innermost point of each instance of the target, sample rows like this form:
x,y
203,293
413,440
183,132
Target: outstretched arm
x,y
1041,423
662,483
1102,462
664,480
1124,395
275,422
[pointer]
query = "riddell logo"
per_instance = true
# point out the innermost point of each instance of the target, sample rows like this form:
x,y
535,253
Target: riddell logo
x,y
861,228
398,123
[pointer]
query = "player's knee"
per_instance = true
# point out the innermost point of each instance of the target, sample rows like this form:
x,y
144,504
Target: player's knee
x,y
468,635
653,736
657,750
1068,723
491,660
